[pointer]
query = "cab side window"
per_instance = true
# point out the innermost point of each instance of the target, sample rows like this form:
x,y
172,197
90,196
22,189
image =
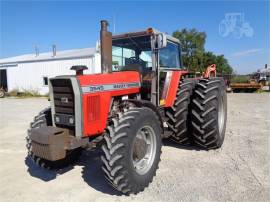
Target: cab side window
x,y
169,57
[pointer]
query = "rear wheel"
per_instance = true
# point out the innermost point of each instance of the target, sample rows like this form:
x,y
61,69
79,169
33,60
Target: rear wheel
x,y
209,113
178,115
132,150
41,120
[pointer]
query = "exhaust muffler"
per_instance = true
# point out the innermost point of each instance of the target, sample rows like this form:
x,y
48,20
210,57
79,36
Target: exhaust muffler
x,y
105,47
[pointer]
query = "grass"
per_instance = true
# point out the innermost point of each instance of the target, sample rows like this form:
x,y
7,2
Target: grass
x,y
262,91
240,79
25,93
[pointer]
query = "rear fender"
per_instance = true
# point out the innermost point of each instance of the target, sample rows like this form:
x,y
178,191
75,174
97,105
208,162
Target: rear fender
x,y
171,90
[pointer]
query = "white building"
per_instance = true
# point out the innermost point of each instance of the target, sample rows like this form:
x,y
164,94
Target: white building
x,y
32,71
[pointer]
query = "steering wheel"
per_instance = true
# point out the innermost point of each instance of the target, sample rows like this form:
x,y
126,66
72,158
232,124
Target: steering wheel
x,y
134,60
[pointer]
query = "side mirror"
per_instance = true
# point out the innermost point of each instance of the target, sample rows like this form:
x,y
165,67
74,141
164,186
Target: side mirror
x,y
161,40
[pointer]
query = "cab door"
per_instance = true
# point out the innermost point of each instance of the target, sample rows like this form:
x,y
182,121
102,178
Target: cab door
x,y
170,68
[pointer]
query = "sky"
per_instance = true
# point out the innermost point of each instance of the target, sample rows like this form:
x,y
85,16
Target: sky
x,y
240,30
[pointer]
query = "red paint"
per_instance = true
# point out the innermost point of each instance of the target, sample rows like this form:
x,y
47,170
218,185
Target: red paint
x,y
90,126
211,71
94,123
95,115
115,77
176,75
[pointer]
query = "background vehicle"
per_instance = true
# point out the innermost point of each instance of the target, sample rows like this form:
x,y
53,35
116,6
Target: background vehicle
x,y
262,76
3,83
2,92
128,109
252,82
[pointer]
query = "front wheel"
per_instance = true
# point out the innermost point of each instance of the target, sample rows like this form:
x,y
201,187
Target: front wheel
x,y
132,150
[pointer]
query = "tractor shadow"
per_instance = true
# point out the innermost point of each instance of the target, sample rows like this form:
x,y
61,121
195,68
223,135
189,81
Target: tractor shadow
x,y
170,143
41,173
92,172
90,164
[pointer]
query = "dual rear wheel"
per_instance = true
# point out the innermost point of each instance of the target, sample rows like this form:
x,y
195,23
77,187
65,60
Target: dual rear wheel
x,y
199,113
209,113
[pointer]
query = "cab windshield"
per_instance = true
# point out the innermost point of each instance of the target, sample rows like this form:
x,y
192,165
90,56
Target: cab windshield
x,y
169,57
132,53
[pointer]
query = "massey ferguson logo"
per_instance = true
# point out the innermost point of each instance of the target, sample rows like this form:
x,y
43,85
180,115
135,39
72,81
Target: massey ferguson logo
x,y
64,99
117,86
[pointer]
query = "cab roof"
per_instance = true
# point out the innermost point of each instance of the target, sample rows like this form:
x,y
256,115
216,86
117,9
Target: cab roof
x,y
147,32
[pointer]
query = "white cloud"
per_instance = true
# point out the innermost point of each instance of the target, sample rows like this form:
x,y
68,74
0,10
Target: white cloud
x,y
247,52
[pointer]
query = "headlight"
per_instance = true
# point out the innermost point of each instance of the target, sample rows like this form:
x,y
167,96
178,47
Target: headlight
x,y
71,120
64,119
57,119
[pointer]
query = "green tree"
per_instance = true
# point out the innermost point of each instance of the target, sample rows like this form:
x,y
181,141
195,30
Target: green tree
x,y
192,43
220,61
195,58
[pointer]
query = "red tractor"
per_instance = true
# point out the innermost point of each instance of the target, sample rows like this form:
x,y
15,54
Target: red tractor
x,y
141,96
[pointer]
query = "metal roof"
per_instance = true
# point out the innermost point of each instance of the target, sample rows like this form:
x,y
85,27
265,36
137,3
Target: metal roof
x,y
67,54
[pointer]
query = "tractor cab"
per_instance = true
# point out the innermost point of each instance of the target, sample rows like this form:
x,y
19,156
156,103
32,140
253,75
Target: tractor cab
x,y
155,55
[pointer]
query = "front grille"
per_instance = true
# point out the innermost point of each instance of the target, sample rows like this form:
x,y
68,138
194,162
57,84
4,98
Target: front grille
x,y
93,103
63,99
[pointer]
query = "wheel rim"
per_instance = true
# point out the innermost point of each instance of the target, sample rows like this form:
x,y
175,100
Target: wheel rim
x,y
221,114
143,164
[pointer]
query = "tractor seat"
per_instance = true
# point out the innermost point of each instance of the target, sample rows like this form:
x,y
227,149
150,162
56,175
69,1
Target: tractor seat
x,y
133,67
134,64
145,73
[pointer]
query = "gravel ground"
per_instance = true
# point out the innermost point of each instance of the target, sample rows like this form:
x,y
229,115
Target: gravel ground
x,y
237,172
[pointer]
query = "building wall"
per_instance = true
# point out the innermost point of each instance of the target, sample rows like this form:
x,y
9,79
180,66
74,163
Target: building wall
x,y
29,76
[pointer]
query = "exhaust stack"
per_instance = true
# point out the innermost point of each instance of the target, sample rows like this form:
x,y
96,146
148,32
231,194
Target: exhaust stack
x,y
105,47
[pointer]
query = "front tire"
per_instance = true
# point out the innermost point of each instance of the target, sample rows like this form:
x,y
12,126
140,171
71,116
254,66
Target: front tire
x,y
132,150
209,113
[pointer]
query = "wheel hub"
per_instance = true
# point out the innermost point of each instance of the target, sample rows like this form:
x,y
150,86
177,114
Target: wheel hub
x,y
221,115
144,150
140,149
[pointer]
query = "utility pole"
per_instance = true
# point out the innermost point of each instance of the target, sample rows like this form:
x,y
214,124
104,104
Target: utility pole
x,y
114,23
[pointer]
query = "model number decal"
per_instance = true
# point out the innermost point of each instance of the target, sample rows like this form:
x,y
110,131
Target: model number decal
x,y
95,88
109,87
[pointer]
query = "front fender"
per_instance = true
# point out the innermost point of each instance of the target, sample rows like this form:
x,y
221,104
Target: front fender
x,y
148,104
